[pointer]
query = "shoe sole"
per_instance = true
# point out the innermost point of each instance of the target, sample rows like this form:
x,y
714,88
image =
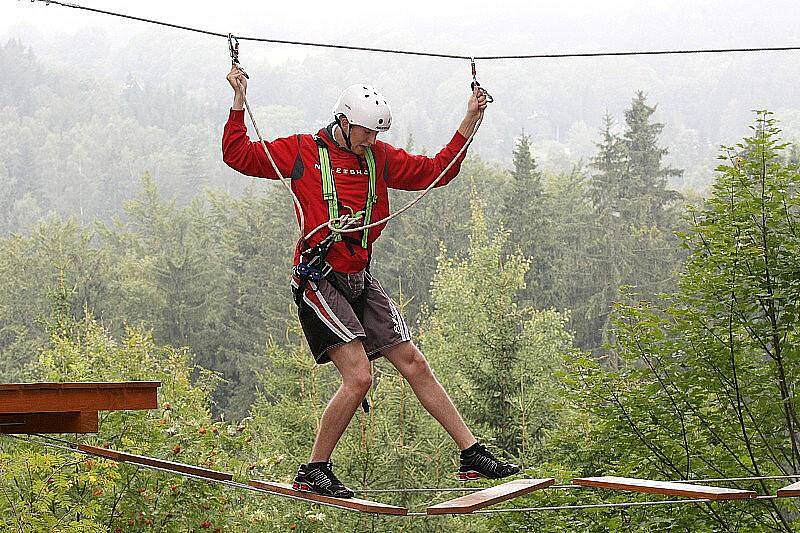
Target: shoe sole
x,y
304,487
474,475
470,475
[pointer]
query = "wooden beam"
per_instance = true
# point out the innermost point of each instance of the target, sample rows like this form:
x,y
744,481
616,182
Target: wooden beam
x,y
27,423
123,457
355,504
790,491
665,487
492,495
74,397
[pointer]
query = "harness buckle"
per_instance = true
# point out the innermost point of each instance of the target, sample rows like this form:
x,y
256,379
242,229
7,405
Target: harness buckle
x,y
306,271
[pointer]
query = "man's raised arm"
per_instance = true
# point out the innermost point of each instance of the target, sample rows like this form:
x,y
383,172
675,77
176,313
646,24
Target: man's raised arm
x,y
416,172
249,157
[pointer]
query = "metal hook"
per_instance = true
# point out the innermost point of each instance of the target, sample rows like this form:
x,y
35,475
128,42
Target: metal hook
x,y
233,46
475,82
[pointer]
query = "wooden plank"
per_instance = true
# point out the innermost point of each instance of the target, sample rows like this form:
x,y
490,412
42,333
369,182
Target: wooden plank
x,y
790,491
123,457
356,504
665,487
74,397
28,423
490,496
79,385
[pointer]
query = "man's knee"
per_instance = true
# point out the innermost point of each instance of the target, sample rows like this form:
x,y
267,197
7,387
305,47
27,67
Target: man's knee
x,y
352,362
411,362
360,381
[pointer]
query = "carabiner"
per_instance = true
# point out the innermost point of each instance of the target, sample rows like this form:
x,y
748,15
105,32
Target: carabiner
x,y
475,82
233,46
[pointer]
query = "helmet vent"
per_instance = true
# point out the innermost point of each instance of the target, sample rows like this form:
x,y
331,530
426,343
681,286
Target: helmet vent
x,y
380,121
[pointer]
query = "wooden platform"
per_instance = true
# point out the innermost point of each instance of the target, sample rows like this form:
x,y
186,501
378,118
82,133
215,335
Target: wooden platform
x,y
492,495
182,468
66,397
28,423
790,491
68,407
665,487
354,504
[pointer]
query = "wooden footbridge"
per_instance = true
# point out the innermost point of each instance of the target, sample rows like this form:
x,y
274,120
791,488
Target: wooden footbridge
x,y
42,408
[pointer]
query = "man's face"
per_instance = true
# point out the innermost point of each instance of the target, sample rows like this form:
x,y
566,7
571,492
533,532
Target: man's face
x,y
361,138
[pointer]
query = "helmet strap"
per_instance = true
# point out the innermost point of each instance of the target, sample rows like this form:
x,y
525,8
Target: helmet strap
x,y
345,135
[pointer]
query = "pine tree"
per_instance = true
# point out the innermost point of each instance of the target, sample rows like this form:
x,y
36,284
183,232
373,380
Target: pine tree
x,y
523,215
648,178
607,185
632,243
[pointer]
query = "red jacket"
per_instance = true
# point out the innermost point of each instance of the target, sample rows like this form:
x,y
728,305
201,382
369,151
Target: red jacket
x,y
297,157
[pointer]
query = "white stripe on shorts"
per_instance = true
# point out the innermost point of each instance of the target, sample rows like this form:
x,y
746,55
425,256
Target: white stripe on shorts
x,y
333,315
337,327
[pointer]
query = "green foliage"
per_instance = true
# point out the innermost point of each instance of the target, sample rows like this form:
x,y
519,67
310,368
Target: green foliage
x,y
56,258
63,491
704,388
405,258
495,357
634,220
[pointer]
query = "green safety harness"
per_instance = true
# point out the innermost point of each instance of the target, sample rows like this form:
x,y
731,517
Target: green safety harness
x,y
330,196
312,264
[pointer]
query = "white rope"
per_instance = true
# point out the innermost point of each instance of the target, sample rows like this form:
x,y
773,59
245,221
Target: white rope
x,y
286,183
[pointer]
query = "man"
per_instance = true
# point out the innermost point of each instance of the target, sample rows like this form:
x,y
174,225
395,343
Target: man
x,y
346,315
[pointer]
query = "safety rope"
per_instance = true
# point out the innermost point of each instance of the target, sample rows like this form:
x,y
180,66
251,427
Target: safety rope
x,y
429,54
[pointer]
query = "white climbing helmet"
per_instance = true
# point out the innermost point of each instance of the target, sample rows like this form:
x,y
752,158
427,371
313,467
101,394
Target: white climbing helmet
x,y
364,106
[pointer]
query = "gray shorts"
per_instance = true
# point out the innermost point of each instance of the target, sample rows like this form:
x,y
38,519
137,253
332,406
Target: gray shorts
x,y
344,307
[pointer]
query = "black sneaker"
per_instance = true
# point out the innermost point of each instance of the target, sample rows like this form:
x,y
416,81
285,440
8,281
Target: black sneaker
x,y
320,479
478,462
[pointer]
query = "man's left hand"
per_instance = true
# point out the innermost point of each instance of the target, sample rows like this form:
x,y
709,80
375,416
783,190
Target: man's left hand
x,y
477,102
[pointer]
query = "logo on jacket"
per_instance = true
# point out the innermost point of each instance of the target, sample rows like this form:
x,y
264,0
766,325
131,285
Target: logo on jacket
x,y
339,170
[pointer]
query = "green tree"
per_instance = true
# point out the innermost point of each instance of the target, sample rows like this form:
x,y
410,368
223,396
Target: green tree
x,y
704,389
647,175
63,491
634,217
524,215
498,357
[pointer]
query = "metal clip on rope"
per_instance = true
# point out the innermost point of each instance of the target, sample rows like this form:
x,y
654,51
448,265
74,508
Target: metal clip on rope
x,y
478,85
233,45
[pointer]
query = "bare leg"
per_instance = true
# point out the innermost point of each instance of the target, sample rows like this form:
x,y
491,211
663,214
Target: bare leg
x,y
352,363
410,362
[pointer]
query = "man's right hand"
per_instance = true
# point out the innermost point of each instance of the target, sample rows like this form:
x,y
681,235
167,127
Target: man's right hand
x,y
239,84
237,80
